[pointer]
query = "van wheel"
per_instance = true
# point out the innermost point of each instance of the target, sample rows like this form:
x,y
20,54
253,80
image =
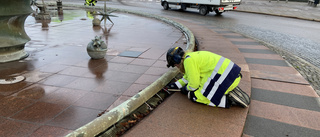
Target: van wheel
x,y
165,5
203,10
183,7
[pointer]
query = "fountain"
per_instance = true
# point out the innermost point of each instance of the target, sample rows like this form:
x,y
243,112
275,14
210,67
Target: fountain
x,y
105,16
13,37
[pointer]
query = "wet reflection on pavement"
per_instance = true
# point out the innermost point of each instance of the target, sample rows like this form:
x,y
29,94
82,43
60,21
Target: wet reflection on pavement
x,y
64,88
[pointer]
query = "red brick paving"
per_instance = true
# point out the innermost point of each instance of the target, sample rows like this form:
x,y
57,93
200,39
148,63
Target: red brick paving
x,y
290,115
192,119
64,89
180,117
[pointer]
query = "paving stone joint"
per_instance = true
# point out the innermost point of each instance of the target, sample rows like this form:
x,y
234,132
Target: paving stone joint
x,y
310,72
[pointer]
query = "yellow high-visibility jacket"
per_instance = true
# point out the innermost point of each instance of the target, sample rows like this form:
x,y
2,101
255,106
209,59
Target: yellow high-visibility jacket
x,y
209,76
90,1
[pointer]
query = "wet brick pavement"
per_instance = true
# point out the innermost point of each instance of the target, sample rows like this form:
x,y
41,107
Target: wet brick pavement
x,y
65,89
289,114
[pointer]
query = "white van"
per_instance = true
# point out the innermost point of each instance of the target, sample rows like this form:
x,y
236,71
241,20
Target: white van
x,y
204,6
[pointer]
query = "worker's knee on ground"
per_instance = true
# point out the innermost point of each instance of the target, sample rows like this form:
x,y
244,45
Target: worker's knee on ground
x,y
234,84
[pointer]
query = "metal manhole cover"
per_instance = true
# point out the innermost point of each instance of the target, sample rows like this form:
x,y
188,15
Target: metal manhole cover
x,y
12,80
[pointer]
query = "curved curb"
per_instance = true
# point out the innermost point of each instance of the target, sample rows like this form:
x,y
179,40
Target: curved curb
x,y
108,119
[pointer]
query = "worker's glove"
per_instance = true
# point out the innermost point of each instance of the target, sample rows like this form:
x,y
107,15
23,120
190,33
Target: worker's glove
x,y
172,86
184,90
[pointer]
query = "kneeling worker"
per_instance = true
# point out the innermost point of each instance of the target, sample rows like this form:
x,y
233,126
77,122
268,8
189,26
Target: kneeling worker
x,y
90,2
208,78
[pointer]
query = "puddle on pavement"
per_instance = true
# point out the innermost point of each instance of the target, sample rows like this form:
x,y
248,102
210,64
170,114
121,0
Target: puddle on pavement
x,y
123,34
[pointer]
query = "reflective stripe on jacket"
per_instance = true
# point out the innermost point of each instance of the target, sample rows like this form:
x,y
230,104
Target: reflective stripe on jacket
x,y
209,75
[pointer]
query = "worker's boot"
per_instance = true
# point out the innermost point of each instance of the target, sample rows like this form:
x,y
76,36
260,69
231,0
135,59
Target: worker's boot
x,y
239,97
